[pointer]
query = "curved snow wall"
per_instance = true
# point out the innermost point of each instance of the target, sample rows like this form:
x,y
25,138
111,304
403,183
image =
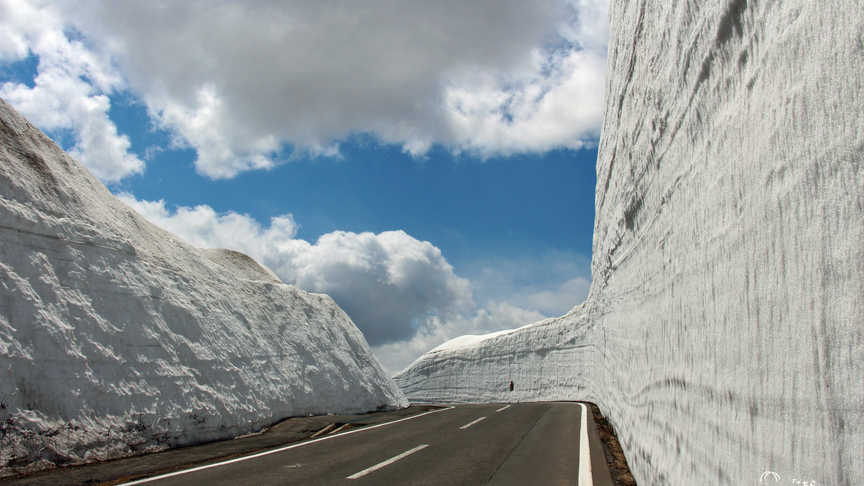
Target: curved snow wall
x,y
724,333
117,337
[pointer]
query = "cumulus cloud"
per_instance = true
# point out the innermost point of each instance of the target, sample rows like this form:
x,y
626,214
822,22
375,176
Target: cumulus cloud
x,y
390,284
560,106
69,92
556,103
205,228
245,83
401,292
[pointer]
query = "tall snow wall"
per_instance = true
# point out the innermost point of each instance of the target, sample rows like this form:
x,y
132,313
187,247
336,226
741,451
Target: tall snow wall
x,y
724,332
117,337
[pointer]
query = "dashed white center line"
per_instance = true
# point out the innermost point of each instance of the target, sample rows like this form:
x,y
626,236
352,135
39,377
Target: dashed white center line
x,y
387,462
472,423
503,408
274,451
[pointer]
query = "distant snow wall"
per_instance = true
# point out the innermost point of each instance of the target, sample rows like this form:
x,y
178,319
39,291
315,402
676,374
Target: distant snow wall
x,y
724,332
116,336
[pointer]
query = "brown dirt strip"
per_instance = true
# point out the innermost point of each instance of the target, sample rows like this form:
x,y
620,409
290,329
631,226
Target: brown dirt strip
x,y
612,448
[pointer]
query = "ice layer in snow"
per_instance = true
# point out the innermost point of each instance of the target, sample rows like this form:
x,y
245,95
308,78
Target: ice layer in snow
x,y
117,337
724,332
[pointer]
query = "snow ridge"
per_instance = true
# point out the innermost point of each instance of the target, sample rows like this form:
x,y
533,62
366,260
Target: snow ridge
x,y
117,337
722,335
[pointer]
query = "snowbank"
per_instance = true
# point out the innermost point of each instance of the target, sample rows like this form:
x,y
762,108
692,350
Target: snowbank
x,y
539,359
116,336
723,333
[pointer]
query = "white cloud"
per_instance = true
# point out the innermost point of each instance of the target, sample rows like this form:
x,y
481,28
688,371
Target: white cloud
x,y
558,301
561,105
205,228
551,282
70,88
401,292
237,81
498,316
13,45
208,129
390,283
558,103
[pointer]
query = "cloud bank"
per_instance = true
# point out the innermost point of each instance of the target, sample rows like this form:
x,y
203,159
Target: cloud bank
x,y
401,292
248,84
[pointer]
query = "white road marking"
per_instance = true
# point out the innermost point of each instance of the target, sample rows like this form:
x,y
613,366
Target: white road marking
x,y
503,408
323,431
260,454
585,477
387,462
472,423
339,429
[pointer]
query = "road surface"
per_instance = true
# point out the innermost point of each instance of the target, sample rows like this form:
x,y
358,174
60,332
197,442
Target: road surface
x,y
494,444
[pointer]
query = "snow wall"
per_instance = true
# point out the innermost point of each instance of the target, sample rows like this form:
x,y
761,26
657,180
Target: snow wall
x,y
723,336
117,337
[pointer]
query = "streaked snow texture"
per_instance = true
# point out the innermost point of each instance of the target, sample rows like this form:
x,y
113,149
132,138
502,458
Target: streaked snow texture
x,y
116,336
724,332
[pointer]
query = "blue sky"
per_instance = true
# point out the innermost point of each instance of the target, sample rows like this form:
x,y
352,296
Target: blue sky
x,y
432,187
467,207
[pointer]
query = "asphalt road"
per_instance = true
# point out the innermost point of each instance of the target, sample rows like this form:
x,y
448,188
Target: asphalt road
x,y
495,444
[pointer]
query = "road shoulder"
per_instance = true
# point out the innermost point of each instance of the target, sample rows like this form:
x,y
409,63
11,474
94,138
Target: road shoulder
x,y
286,432
614,455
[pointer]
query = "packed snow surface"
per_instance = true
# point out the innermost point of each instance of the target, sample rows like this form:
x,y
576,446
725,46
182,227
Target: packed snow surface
x,y
117,337
724,333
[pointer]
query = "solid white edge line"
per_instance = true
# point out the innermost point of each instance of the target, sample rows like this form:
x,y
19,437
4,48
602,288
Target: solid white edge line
x,y
261,454
585,476
472,423
503,408
387,462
